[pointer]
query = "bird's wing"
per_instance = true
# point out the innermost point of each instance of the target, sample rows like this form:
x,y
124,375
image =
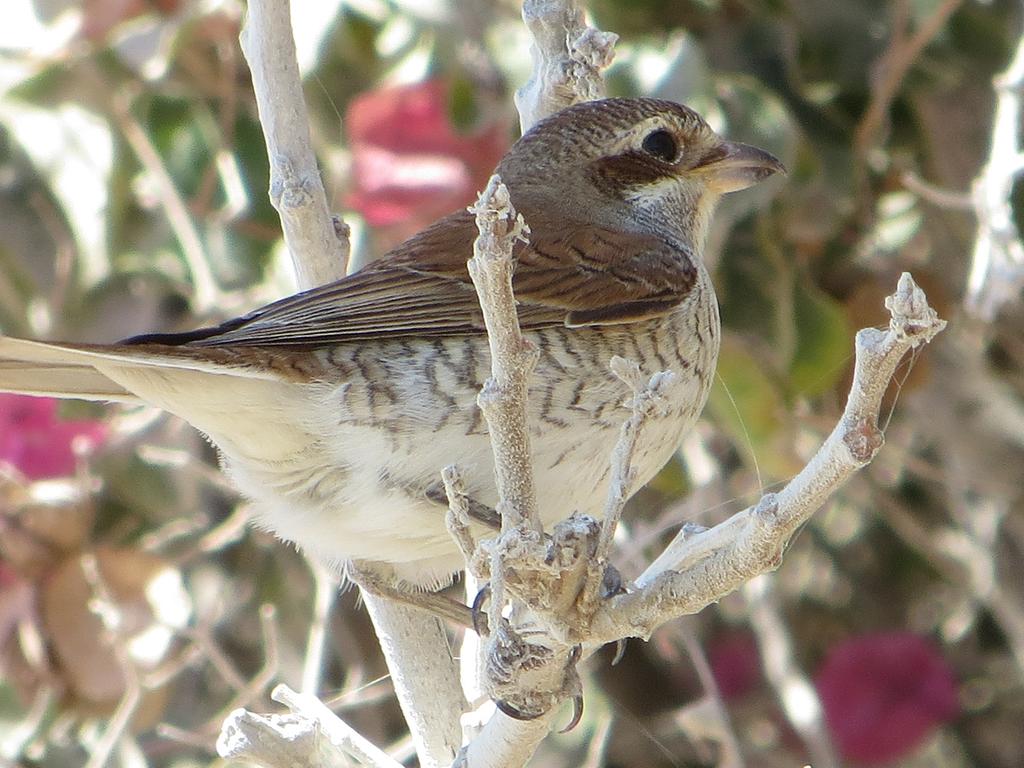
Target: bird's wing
x,y
579,276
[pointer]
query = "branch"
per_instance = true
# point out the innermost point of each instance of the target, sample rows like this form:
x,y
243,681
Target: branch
x,y
415,647
530,674
795,692
503,397
505,742
325,590
318,244
997,260
648,397
503,400
893,66
700,567
425,677
310,735
568,57
552,581
204,285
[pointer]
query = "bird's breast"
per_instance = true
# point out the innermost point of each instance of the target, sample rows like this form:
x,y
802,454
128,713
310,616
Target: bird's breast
x,y
395,412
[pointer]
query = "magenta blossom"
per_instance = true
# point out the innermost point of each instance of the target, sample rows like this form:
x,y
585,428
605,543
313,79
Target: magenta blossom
x,y
884,693
36,442
410,164
735,663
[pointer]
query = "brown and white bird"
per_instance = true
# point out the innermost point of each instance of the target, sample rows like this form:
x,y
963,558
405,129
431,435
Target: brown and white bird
x,y
335,409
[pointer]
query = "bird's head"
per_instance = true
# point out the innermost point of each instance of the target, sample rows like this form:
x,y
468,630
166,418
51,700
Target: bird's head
x,y
637,164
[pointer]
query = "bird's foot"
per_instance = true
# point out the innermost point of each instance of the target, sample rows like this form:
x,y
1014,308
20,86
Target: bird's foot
x,y
477,511
371,580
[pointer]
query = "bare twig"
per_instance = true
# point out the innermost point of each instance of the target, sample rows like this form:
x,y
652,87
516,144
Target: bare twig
x,y
997,260
310,735
703,567
271,659
505,741
897,60
503,397
426,679
204,287
106,607
568,57
546,573
457,520
318,246
336,731
648,397
415,646
796,693
943,198
324,593
718,713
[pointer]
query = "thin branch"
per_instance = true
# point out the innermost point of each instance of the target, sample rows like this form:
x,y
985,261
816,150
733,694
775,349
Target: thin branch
x,y
966,561
325,590
108,610
568,56
725,733
503,397
319,247
271,661
415,646
310,735
425,676
648,397
338,733
943,198
505,742
795,692
897,60
997,260
204,287
701,568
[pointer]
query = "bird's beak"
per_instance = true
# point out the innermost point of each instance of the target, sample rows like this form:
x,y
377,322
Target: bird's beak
x,y
732,166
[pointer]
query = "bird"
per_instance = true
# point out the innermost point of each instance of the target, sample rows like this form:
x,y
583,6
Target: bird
x,y
335,409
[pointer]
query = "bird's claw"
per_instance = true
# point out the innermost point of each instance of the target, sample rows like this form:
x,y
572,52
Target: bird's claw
x,y
479,616
515,713
577,699
574,683
612,583
577,713
478,511
620,651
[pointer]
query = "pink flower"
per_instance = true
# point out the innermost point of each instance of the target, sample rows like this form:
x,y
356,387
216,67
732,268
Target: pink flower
x,y
36,442
735,663
884,693
410,165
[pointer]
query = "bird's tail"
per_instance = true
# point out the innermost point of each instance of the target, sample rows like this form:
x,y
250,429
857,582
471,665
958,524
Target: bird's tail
x,y
95,371
35,368
234,399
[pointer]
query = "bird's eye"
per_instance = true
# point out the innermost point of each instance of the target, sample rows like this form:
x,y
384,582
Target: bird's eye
x,y
662,145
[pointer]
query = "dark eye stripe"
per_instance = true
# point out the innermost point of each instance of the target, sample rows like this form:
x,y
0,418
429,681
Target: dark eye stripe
x,y
662,145
619,173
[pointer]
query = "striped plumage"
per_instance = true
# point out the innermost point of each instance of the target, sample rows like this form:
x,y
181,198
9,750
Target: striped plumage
x,y
335,409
